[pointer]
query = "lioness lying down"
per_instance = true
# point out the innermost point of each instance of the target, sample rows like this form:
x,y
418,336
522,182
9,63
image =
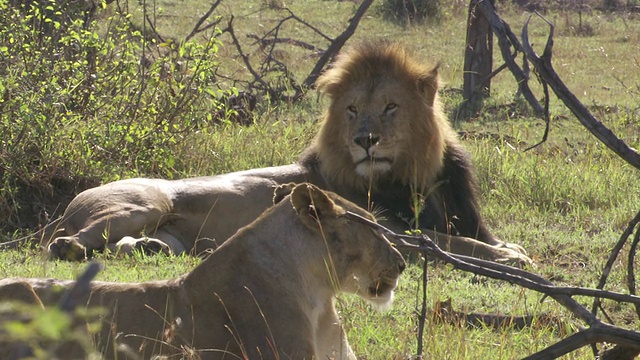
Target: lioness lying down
x,y
384,143
266,293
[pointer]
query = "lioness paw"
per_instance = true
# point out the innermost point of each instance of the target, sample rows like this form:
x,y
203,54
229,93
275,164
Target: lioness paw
x,y
67,248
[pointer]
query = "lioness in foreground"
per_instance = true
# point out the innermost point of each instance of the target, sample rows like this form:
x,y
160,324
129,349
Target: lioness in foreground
x,y
266,293
384,143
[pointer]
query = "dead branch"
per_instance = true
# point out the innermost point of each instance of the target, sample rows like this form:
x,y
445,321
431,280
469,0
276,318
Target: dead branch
x,y
509,47
301,21
546,72
596,332
243,55
264,42
337,44
271,65
423,309
443,312
612,258
547,75
197,28
547,118
631,279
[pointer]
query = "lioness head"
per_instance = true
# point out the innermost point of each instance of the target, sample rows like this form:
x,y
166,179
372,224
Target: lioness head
x,y
362,261
384,120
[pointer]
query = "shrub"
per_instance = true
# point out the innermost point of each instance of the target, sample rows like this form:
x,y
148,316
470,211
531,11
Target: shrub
x,y
78,101
411,10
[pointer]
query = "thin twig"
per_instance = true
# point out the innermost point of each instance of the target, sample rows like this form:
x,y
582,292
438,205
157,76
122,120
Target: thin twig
x,y
547,116
197,29
545,71
506,41
631,279
612,258
597,331
244,56
337,44
423,309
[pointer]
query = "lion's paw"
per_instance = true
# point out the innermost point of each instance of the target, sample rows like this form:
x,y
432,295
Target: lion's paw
x,y
514,257
67,248
148,246
514,247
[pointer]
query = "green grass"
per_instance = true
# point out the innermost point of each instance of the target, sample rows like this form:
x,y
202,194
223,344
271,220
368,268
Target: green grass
x,y
566,202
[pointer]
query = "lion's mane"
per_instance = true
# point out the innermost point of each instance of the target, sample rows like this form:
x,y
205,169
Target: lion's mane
x,y
362,66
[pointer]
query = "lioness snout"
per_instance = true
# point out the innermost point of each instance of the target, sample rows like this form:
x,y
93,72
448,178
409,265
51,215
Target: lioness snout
x,y
401,266
367,141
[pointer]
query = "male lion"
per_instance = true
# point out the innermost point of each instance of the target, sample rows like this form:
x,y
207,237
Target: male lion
x,y
384,143
266,293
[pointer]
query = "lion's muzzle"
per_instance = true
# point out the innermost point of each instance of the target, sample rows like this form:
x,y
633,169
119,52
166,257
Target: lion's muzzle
x,y
366,141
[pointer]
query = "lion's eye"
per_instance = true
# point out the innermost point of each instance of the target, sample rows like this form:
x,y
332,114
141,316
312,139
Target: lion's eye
x,y
390,108
352,110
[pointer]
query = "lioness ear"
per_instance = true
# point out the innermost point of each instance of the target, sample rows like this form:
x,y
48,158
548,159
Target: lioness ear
x,y
429,83
313,205
281,191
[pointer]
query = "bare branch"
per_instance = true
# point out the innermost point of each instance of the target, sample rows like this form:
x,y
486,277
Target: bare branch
x,y
283,80
244,56
628,341
337,44
612,258
205,17
423,309
301,21
268,42
631,279
547,117
600,332
507,40
548,74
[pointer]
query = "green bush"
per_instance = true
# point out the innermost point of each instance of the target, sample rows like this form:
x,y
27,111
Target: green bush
x,y
411,10
78,101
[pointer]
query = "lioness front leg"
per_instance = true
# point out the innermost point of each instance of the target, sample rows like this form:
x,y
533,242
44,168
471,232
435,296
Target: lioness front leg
x,y
470,247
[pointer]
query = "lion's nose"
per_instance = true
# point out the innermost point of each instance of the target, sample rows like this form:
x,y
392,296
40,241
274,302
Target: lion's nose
x,y
367,141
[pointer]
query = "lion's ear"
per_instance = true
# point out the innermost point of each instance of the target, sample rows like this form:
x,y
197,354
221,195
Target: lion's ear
x,y
330,82
281,191
429,83
313,205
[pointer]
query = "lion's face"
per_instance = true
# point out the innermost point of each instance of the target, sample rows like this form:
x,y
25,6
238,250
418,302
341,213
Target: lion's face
x,y
374,117
384,120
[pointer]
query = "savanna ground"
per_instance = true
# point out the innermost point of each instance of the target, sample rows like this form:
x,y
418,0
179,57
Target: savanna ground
x,y
566,202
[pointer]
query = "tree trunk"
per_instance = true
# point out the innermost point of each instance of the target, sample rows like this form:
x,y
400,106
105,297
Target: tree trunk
x,y
478,57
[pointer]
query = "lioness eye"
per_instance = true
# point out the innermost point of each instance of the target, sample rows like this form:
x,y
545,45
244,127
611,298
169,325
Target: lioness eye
x,y
352,110
390,108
